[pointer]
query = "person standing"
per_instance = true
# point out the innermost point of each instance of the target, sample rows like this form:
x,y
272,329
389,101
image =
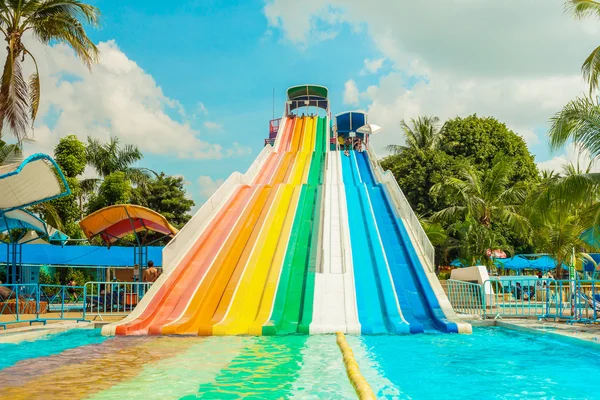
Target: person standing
x,y
151,273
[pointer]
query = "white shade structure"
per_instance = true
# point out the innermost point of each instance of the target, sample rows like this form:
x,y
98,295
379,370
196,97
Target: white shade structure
x,y
36,180
369,129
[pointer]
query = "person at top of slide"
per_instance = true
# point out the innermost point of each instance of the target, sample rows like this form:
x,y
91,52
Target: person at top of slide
x,y
341,141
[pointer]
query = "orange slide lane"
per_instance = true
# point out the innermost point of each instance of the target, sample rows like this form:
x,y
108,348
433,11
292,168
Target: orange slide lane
x,y
184,319
212,297
185,272
186,275
201,312
265,175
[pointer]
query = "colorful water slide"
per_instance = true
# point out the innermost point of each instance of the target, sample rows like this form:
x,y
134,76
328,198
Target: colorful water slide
x,y
335,307
378,308
292,310
211,301
418,303
224,214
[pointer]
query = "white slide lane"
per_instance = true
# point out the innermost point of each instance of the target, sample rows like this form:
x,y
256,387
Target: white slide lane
x,y
334,308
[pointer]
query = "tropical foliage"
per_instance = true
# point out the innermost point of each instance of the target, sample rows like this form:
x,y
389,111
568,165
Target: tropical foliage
x,y
421,133
47,21
478,189
118,181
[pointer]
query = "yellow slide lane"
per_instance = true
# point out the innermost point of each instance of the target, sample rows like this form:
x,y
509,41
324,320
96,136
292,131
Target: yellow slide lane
x,y
205,327
274,269
246,302
206,299
298,134
308,135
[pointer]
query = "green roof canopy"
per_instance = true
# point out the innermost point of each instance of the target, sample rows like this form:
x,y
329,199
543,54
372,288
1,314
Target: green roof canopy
x,y
304,91
308,95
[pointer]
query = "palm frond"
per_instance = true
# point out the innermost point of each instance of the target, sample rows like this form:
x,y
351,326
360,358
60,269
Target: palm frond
x,y
583,8
14,97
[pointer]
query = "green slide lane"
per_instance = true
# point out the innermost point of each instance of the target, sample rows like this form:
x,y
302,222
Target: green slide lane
x,y
293,302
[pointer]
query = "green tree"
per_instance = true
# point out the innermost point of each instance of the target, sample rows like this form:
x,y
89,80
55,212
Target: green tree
x,y
165,195
578,121
416,172
49,21
591,66
423,133
115,189
110,157
70,154
485,198
63,213
480,140
560,211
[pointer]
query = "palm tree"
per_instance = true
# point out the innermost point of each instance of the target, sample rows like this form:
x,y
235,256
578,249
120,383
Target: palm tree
x,y
48,21
560,211
579,121
423,133
110,157
591,66
486,197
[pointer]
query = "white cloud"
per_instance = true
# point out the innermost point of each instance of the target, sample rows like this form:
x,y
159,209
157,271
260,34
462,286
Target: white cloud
x,y
509,59
201,108
208,186
118,98
351,93
213,125
571,155
372,66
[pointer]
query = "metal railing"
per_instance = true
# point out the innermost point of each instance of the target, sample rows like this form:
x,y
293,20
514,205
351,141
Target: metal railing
x,y
466,297
515,297
113,298
31,303
405,210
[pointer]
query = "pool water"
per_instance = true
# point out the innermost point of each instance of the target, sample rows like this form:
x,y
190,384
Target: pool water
x,y
493,363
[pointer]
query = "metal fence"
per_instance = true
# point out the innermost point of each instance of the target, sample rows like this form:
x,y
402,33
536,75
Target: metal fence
x,y
113,298
33,303
570,300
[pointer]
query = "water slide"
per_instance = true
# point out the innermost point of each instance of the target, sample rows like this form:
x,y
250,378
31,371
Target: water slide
x,y
226,282
306,241
335,308
378,308
292,310
418,303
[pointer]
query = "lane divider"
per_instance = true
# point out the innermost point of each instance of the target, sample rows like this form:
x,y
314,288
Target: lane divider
x,y
361,386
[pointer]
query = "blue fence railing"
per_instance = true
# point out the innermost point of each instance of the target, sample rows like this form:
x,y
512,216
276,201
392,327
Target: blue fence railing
x,y
570,300
31,303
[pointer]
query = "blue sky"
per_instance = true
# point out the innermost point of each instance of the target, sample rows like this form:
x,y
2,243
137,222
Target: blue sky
x,y
224,55
208,70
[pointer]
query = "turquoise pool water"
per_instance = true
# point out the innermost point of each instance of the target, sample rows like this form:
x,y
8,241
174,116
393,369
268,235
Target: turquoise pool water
x,y
493,363
47,345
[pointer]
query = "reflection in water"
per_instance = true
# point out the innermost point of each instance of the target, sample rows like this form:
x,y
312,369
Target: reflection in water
x,y
183,367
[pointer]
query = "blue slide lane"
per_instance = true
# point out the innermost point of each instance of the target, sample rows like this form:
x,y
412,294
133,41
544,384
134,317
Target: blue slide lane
x,y
375,297
418,302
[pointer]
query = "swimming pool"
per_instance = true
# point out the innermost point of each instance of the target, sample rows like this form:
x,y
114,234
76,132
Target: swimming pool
x,y
492,363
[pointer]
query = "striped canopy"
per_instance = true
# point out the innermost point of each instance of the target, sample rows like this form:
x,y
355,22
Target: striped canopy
x,y
114,222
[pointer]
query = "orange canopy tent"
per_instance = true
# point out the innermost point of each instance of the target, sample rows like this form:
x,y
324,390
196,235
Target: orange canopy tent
x,y
114,222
